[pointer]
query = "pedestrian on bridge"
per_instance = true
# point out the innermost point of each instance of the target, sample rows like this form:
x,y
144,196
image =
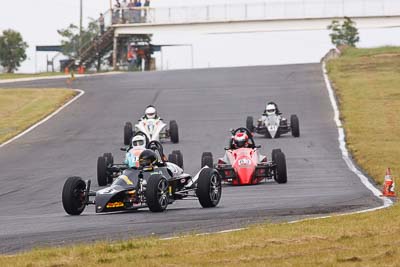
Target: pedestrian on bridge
x,y
146,6
101,23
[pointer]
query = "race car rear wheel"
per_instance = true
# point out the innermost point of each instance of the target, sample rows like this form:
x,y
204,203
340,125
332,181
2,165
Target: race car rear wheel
x,y
73,195
109,159
101,171
157,193
180,157
273,154
128,133
250,123
173,158
294,125
209,188
280,172
173,131
207,159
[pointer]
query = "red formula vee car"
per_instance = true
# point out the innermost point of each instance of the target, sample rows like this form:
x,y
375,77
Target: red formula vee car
x,y
242,164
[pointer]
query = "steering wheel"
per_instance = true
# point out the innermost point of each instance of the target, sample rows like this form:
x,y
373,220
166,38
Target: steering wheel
x,y
156,146
246,131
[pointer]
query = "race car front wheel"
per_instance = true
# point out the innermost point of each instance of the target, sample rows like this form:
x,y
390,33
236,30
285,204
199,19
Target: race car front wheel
x,y
209,188
73,195
280,171
157,193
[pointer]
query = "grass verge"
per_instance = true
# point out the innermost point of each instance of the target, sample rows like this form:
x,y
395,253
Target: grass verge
x,y
6,76
21,108
365,81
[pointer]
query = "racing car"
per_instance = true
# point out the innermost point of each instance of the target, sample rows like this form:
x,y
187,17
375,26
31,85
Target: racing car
x,y
153,126
272,124
151,185
107,170
242,163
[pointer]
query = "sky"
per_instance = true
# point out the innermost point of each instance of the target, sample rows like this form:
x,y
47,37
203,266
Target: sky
x,y
39,20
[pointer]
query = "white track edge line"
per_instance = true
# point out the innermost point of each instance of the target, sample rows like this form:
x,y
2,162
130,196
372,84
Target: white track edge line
x,y
342,145
81,92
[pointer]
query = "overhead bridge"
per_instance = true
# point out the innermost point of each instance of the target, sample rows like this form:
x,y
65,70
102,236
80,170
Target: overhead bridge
x,y
264,16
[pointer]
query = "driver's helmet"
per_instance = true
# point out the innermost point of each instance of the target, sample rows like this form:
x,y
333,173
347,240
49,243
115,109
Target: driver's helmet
x,y
139,141
270,109
147,158
150,112
240,140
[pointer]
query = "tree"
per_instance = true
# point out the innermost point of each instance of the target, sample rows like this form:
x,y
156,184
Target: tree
x,y
12,50
345,33
71,45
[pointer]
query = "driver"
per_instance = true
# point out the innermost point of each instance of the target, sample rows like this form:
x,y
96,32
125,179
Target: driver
x,y
148,159
150,113
139,141
271,109
240,140
137,147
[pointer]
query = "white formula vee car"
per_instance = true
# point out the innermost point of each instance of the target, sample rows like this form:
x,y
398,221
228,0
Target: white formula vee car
x,y
155,129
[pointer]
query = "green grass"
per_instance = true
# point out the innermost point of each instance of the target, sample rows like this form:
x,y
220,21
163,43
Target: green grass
x,y
365,81
5,76
21,108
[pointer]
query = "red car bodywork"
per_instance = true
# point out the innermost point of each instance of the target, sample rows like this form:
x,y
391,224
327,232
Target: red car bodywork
x,y
243,166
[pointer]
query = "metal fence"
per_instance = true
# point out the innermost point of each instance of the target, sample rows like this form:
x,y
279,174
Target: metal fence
x,y
267,10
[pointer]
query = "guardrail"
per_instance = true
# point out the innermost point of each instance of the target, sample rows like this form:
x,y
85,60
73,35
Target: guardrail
x,y
267,10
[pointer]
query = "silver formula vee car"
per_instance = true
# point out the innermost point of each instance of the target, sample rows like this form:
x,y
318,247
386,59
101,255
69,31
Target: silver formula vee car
x,y
151,185
273,124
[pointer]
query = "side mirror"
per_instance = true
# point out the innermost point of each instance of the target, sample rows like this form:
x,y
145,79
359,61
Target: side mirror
x,y
257,146
124,149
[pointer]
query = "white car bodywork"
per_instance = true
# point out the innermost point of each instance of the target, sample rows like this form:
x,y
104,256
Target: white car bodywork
x,y
155,129
272,123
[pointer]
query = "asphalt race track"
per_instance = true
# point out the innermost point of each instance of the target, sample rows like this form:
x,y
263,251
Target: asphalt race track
x,y
206,104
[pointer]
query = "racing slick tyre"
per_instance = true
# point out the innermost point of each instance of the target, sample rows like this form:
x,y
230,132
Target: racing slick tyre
x,y
273,154
128,133
173,158
294,125
109,159
180,157
250,124
157,193
102,171
207,159
73,195
209,188
281,172
173,131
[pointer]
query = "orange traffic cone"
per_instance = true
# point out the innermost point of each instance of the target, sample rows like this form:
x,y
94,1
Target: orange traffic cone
x,y
66,70
388,185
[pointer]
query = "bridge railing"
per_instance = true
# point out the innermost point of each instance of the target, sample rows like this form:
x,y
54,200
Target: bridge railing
x,y
288,9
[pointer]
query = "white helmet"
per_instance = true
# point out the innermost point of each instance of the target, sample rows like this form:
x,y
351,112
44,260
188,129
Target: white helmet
x,y
150,112
139,141
270,109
